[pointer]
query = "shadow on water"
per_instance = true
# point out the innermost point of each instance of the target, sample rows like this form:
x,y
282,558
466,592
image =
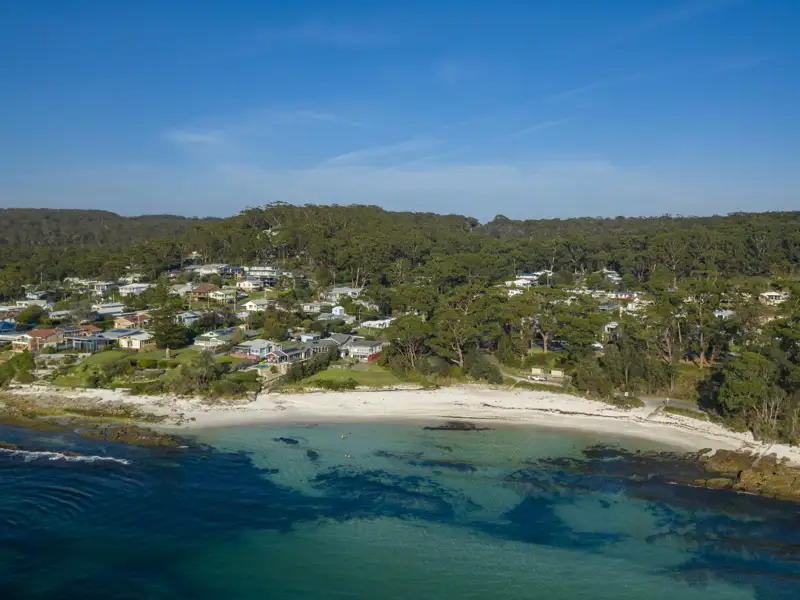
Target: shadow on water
x,y
135,530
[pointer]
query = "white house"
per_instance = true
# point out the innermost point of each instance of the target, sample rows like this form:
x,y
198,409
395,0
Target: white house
x,y
611,276
140,340
378,324
312,307
362,349
101,288
250,284
181,289
42,303
772,298
223,295
211,269
257,305
132,278
134,289
336,314
109,309
256,348
35,295
334,294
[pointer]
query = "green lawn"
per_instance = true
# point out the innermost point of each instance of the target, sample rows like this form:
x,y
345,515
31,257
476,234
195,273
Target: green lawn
x,y
181,355
372,376
103,358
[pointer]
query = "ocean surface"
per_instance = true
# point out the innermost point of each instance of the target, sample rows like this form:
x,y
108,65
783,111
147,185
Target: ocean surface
x,y
364,512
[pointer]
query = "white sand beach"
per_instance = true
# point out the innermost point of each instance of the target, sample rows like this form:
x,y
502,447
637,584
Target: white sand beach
x,y
485,406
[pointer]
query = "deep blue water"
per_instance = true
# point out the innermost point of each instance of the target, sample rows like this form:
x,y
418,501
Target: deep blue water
x,y
383,512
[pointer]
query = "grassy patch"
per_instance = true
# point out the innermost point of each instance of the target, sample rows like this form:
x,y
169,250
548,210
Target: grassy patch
x,y
227,358
104,358
686,412
372,376
69,381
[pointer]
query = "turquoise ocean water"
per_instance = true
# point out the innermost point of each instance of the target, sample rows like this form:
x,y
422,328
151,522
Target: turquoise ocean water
x,y
366,512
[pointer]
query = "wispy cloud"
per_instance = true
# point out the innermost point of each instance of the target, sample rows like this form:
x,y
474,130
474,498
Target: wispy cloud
x,y
251,124
186,137
676,16
323,33
541,126
367,155
741,64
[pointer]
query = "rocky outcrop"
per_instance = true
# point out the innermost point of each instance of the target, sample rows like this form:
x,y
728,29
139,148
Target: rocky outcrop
x,y
745,472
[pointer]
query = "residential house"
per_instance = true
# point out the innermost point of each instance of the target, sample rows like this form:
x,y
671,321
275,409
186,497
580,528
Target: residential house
x,y
609,306
35,295
141,340
256,349
312,308
36,340
289,354
268,272
187,318
115,334
309,336
611,276
724,314
324,345
366,350
214,340
134,289
109,310
41,303
9,312
223,295
250,284
257,305
202,291
181,289
102,288
210,269
334,294
59,315
87,343
337,313
132,278
378,324
772,298
135,321
609,328
232,271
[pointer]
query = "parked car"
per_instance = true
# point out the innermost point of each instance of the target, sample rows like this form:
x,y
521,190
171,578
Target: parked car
x,y
538,378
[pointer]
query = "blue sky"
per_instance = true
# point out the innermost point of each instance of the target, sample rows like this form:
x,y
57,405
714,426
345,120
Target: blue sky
x,y
531,109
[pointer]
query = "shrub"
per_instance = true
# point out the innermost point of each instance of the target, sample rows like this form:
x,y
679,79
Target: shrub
x,y
336,386
480,367
147,363
25,377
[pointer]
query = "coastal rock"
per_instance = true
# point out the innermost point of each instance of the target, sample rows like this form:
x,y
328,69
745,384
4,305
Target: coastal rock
x,y
456,426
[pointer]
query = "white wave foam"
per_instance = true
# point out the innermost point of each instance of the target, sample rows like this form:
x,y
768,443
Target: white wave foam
x,y
29,455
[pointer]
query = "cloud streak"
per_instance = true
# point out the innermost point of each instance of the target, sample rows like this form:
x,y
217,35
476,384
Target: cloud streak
x,y
370,154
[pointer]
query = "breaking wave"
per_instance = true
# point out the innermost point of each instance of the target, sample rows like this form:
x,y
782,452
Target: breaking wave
x,y
29,455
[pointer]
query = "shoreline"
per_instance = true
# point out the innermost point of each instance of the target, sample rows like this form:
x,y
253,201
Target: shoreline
x,y
481,405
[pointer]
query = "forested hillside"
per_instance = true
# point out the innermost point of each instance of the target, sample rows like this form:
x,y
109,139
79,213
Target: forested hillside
x,y
368,244
84,228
